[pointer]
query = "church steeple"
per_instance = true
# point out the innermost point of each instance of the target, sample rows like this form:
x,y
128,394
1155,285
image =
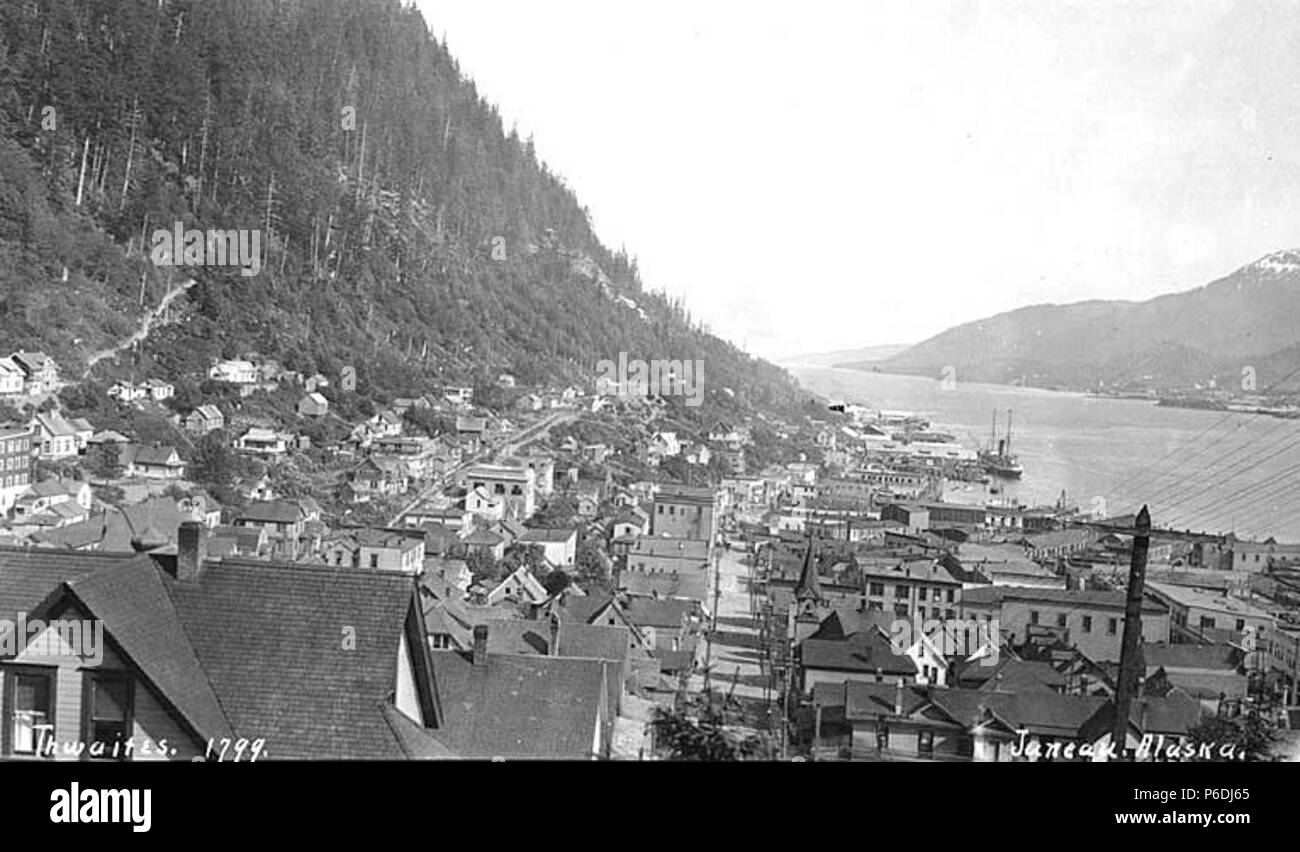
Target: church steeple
x,y
809,586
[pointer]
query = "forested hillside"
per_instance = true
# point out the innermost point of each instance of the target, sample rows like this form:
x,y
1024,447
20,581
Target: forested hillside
x,y
405,231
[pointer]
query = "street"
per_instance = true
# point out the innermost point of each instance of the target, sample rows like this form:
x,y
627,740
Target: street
x,y
735,653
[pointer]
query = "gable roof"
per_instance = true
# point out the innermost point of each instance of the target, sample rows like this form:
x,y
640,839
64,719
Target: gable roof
x,y
130,598
1221,656
595,641
29,576
520,706
136,454
691,585
584,609
541,535
271,511
270,639
648,612
251,649
868,651
525,579
483,538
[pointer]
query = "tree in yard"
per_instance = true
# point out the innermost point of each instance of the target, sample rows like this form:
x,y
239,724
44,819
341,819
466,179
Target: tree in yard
x,y
556,582
593,566
482,566
105,461
702,738
558,512
530,556
214,463
1251,735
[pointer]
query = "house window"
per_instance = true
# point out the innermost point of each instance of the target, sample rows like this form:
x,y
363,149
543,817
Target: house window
x,y
374,560
1207,622
28,704
920,593
1112,625
108,712
877,589
1087,624
900,591
900,609
925,742
1033,616
1241,624
950,596
1060,619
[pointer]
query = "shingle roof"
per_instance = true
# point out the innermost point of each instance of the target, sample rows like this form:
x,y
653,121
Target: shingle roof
x,y
547,535
689,585
647,612
483,538
270,638
993,595
846,620
868,651
132,601
516,706
519,637
28,576
274,511
1221,656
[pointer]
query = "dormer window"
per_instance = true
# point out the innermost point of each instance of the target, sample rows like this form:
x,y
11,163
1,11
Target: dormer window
x,y
28,706
108,714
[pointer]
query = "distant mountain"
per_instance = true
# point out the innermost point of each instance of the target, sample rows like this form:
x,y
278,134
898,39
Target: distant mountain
x,y
1246,319
844,356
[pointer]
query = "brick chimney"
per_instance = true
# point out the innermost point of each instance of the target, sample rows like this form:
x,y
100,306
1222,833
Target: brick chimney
x,y
191,550
480,644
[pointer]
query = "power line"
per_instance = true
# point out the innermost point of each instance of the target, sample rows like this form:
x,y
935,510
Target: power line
x,y
1262,488
1138,475
1246,448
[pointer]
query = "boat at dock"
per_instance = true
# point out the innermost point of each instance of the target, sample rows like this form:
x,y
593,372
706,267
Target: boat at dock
x,y
998,460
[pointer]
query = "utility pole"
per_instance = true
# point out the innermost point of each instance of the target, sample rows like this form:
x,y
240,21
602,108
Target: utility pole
x,y
1130,660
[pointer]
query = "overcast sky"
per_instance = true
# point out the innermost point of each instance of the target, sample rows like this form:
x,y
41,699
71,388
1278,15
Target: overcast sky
x,y
818,175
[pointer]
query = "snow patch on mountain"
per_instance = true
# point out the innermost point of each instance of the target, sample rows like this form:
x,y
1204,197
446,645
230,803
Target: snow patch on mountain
x,y
1279,262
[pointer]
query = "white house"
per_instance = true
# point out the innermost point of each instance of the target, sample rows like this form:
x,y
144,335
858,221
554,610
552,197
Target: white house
x,y
159,390
262,441
11,378
237,371
56,438
128,391
558,546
